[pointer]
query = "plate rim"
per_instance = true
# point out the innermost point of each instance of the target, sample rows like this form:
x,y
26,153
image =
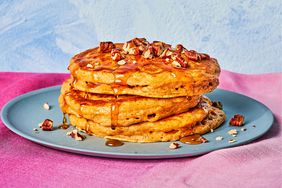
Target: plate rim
x,y
10,126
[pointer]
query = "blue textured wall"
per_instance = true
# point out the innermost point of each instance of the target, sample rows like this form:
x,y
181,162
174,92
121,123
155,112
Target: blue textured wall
x,y
41,36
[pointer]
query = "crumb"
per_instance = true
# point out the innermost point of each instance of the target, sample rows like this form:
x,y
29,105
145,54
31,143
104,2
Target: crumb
x,y
218,138
174,145
254,126
75,134
243,129
211,130
232,141
46,106
233,132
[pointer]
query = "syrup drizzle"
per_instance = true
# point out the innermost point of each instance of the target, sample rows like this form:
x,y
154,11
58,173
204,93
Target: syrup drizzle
x,y
113,143
192,139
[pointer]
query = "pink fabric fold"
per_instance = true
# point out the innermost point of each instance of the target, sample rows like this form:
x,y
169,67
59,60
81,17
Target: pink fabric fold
x,y
258,164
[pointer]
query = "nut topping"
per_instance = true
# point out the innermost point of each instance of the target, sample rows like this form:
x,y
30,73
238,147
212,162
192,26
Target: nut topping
x,y
121,62
192,54
127,46
237,120
89,65
75,134
134,51
149,53
180,60
176,64
140,42
179,48
116,54
106,46
204,56
47,125
166,53
158,47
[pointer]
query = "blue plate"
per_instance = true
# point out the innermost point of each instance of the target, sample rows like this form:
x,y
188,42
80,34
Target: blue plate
x,y
23,113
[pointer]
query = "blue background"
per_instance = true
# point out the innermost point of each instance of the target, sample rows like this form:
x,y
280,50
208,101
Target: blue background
x,y
41,36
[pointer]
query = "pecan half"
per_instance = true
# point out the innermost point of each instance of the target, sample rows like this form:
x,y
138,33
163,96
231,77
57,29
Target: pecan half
x,y
237,120
47,125
106,46
192,54
116,54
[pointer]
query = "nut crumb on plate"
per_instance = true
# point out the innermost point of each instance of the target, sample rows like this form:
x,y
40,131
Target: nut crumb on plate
x,y
233,132
174,145
46,106
218,138
46,125
75,134
237,120
243,129
232,141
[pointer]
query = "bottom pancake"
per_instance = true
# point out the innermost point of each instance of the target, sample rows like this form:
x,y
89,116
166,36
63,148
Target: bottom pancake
x,y
199,120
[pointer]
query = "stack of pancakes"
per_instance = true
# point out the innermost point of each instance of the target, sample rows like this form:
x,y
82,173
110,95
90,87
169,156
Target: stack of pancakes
x,y
141,92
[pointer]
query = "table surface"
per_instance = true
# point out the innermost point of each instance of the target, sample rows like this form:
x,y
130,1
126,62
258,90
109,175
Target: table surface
x,y
258,164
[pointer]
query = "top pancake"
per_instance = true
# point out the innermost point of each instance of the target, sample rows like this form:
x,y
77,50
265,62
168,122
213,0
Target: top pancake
x,y
145,69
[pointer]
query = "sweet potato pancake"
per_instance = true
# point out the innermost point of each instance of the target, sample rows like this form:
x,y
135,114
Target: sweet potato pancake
x,y
139,91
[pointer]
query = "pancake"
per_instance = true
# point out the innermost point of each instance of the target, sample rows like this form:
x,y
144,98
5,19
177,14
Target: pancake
x,y
195,121
129,109
177,73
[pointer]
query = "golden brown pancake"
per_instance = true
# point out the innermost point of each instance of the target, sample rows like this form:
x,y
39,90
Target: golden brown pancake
x,y
195,121
129,109
97,72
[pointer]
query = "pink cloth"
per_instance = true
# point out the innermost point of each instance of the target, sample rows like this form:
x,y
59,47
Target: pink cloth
x,y
259,164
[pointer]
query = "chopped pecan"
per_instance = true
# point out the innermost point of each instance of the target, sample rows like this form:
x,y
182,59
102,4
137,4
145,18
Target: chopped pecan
x,y
193,55
176,64
149,53
75,134
140,41
116,54
166,53
237,120
204,56
179,48
134,51
47,125
106,46
180,60
158,47
127,46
